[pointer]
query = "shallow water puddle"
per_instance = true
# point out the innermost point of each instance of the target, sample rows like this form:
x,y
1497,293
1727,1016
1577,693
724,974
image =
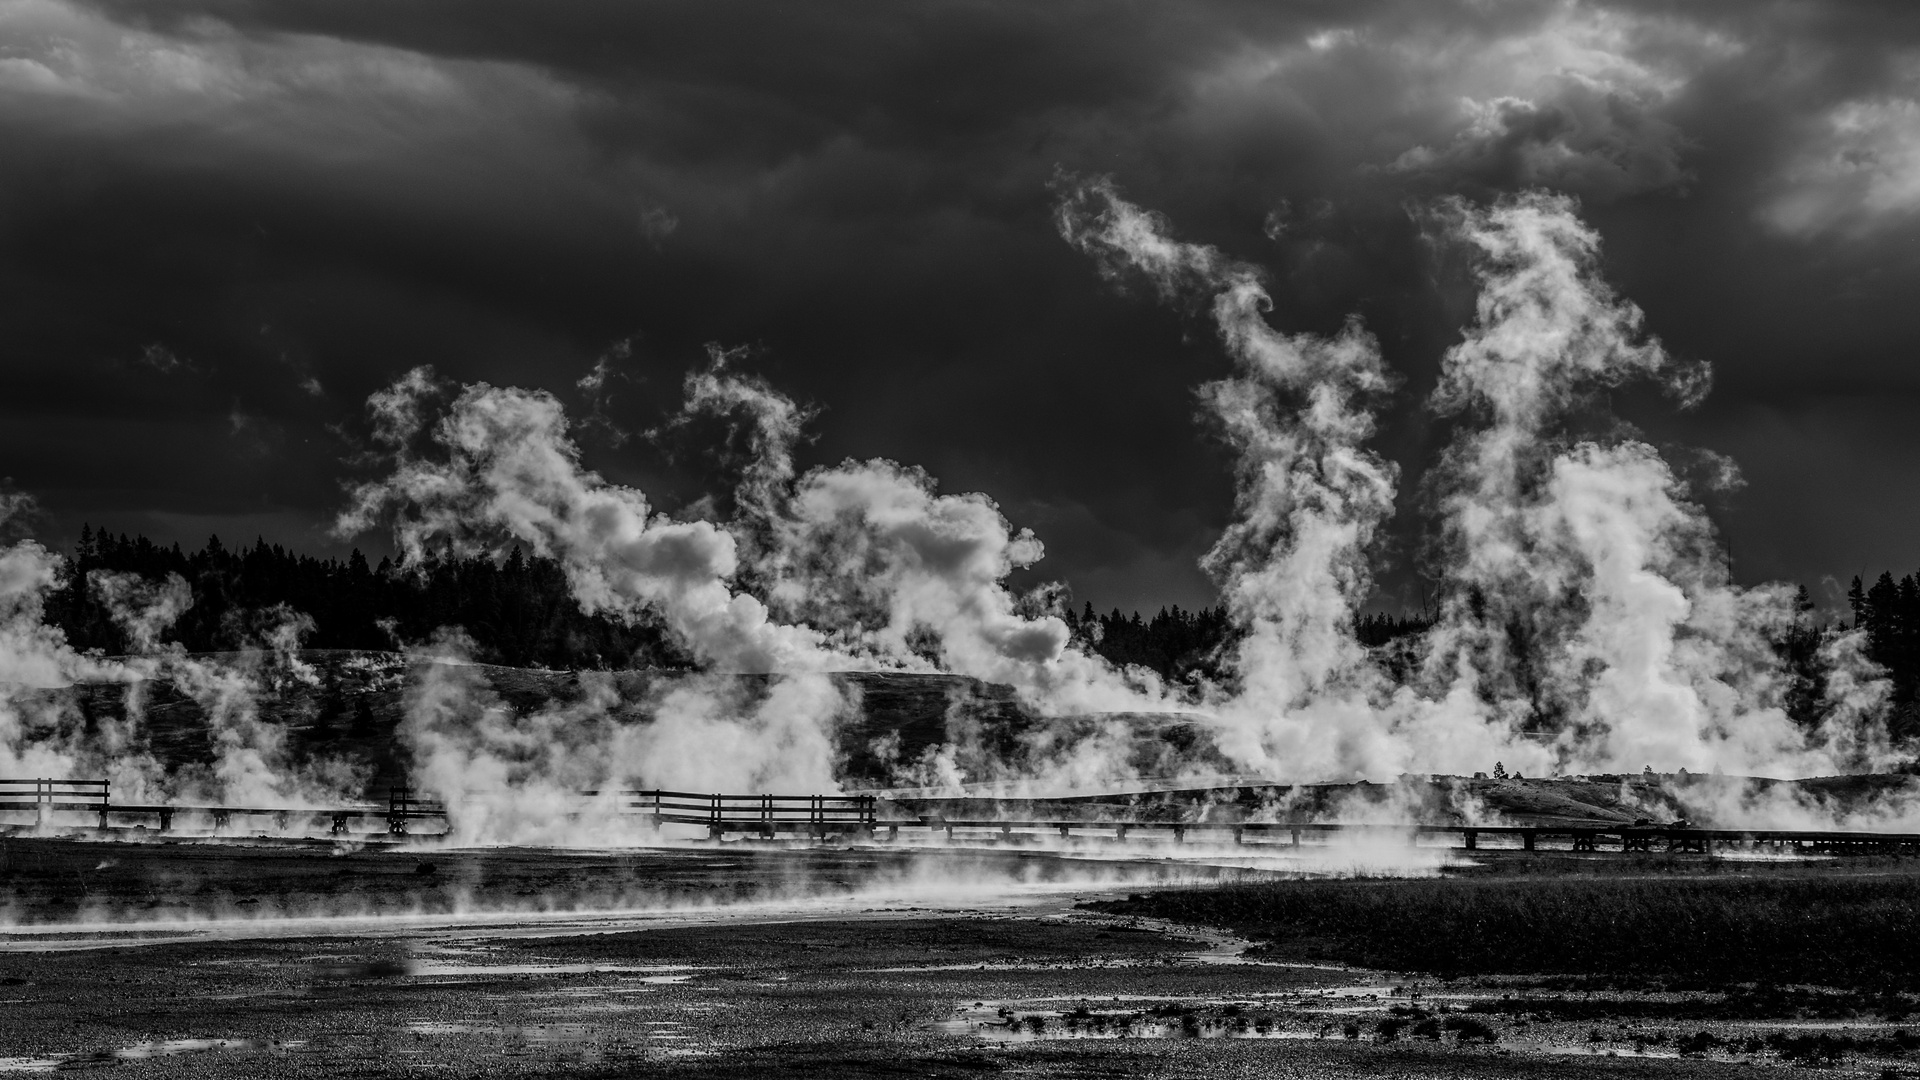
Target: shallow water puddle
x,y
997,1022
1032,1027
1577,1049
145,1051
443,970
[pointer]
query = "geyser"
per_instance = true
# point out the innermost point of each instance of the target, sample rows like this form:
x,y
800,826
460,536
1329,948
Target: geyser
x,y
1587,621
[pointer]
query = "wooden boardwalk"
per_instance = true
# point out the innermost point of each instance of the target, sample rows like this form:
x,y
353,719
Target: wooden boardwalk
x,y
870,818
44,801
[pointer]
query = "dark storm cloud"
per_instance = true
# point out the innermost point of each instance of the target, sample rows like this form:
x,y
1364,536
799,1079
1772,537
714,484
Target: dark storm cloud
x,y
225,223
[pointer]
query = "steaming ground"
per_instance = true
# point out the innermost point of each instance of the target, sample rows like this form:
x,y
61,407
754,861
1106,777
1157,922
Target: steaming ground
x,y
731,960
57,889
854,628
357,710
1586,621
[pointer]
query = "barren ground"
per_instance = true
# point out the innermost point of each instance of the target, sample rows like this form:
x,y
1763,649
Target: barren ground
x,y
725,961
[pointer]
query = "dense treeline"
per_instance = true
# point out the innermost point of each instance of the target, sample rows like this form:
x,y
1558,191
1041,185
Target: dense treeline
x,y
517,610
1889,613
1180,644
1376,630
1175,643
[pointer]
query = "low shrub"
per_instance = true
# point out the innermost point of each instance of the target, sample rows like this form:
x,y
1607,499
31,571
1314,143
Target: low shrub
x,y
1851,930
1470,1029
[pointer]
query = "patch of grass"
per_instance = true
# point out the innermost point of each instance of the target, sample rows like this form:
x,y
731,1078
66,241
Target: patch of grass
x,y
1698,1043
1760,1002
1842,930
1469,1029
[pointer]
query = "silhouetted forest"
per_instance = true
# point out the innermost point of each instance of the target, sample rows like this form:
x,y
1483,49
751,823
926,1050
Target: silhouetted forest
x,y
1175,643
1179,644
1889,612
1376,630
517,610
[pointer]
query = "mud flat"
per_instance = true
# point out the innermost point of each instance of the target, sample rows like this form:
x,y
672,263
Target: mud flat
x,y
729,961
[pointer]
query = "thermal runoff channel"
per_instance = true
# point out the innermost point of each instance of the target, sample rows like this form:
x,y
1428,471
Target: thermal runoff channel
x,y
1587,622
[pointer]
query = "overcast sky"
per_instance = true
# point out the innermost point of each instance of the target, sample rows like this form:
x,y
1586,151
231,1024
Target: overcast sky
x,y
224,223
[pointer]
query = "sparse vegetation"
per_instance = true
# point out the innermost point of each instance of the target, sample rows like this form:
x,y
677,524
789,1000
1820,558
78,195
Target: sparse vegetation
x,y
1838,930
1469,1029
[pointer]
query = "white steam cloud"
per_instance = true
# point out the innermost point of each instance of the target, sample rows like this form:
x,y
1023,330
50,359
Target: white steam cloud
x,y
1590,603
1587,622
1293,567
250,760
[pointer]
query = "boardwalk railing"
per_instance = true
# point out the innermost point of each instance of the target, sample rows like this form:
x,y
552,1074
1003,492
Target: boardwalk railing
x,y
763,815
1592,837
44,797
403,805
819,816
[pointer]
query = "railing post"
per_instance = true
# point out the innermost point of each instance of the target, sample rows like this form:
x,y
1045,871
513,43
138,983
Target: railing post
x,y
42,802
397,811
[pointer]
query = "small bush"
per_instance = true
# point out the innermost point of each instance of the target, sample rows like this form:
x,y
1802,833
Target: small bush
x,y
1822,1049
1700,1042
1472,1029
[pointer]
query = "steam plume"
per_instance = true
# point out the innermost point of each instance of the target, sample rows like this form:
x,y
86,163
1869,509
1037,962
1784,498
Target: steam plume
x,y
1589,619
1590,603
507,469
1293,566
